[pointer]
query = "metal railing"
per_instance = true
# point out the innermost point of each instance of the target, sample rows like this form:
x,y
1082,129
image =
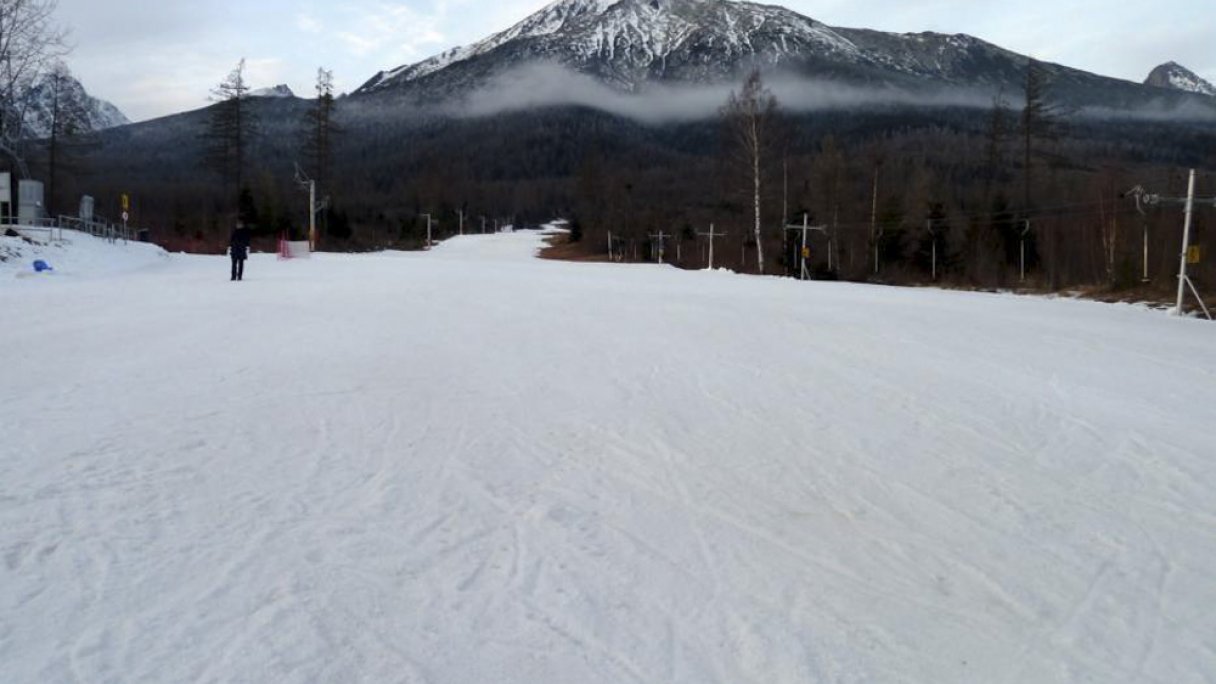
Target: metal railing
x,y
48,230
43,231
99,228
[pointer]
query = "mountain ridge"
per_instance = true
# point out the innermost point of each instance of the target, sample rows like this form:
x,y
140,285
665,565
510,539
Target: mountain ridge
x,y
630,45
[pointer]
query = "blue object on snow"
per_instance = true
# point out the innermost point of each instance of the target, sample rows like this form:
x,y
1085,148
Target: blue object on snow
x,y
41,266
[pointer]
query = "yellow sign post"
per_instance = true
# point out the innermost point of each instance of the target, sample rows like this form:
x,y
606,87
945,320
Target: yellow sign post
x,y
1194,255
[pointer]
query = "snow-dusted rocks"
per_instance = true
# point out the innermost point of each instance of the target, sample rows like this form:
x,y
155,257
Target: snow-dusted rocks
x,y
635,46
629,42
281,91
1177,77
98,114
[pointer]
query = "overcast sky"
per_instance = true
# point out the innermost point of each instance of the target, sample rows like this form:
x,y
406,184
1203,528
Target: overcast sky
x,y
158,58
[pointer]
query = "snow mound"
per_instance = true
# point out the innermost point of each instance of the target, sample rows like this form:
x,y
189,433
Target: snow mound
x,y
510,246
76,255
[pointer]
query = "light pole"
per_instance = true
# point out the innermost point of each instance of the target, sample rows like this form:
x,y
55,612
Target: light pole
x,y
313,205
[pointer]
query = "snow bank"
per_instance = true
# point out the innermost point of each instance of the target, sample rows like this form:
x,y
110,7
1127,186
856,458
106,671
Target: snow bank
x,y
78,255
474,466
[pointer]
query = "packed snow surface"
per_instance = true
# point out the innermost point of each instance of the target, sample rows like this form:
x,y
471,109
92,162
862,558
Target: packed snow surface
x,y
470,465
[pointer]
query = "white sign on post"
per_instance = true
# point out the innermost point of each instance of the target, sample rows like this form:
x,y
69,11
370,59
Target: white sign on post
x,y
6,188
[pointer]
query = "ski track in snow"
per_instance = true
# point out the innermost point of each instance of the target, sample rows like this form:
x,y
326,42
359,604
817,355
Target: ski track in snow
x,y
471,465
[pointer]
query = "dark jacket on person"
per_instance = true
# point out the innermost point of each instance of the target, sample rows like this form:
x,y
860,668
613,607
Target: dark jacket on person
x,y
238,246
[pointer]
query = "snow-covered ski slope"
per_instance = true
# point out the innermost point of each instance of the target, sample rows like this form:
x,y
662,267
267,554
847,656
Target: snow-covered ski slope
x,y
475,466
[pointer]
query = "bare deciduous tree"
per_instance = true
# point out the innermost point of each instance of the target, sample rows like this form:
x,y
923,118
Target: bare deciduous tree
x,y
67,120
30,41
750,119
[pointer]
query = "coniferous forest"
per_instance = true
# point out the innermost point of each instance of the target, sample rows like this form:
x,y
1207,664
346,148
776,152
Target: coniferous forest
x,y
1024,193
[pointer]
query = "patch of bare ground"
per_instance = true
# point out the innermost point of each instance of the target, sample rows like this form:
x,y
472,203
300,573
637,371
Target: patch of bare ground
x,y
560,248
1150,296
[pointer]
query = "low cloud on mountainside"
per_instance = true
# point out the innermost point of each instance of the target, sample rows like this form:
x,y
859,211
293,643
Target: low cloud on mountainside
x,y
543,85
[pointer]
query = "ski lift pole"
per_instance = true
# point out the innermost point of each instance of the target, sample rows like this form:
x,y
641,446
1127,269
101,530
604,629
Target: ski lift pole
x,y
711,235
805,252
661,238
1184,280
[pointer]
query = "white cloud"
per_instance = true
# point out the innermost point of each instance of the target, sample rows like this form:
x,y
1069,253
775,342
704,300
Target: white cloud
x,y
261,72
307,23
393,31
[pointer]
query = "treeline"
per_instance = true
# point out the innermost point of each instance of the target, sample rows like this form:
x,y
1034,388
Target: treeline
x,y
890,187
1031,196
885,201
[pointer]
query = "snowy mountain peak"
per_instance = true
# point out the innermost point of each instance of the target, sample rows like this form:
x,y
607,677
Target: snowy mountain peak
x,y
547,21
626,42
44,98
632,45
281,90
1174,76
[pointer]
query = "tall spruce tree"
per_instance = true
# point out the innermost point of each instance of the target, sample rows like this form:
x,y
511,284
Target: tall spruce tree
x,y
230,130
995,144
320,132
1039,121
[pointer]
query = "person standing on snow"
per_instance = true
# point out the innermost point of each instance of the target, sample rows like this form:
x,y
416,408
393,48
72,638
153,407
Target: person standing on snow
x,y
238,249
